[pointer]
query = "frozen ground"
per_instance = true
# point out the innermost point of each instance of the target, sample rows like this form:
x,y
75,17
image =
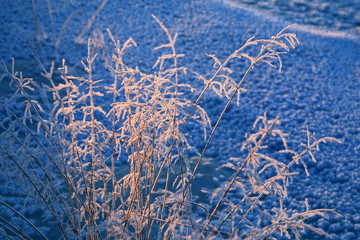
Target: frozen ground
x,y
335,15
319,86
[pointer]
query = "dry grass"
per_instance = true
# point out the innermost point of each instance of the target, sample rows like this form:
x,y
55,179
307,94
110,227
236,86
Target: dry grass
x,y
63,151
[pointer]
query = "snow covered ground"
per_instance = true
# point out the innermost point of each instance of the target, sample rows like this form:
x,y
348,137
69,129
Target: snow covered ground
x,y
319,86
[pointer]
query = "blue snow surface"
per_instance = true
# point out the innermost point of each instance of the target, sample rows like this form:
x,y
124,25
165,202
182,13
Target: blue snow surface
x,y
318,88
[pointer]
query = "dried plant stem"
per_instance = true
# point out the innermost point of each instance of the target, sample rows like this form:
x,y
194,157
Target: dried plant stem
x,y
224,110
51,18
296,158
86,29
23,218
253,151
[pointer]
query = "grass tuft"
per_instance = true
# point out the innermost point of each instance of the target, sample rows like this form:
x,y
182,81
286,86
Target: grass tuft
x,y
62,143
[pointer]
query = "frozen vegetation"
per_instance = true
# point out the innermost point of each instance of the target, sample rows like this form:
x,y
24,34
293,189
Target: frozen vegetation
x,y
152,120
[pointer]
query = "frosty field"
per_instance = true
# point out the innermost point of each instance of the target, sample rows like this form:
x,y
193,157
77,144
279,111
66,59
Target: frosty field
x,y
318,89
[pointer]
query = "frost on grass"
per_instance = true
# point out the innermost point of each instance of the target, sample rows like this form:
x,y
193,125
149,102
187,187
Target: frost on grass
x,y
61,144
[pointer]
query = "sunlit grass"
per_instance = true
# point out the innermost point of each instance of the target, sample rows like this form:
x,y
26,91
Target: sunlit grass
x,y
64,150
